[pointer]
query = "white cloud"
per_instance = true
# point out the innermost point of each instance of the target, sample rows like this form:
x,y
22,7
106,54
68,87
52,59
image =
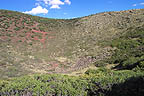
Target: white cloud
x,y
142,3
37,10
134,5
54,4
46,1
37,4
55,7
68,2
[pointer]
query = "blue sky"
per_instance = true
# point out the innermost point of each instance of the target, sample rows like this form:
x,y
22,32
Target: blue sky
x,y
69,8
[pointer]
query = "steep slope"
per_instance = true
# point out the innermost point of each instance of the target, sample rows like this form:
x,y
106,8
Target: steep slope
x,y
30,44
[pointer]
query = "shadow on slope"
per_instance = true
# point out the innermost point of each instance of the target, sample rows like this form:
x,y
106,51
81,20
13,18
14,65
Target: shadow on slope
x,y
133,86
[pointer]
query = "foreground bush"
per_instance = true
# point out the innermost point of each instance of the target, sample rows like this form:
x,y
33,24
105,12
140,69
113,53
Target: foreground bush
x,y
44,85
101,82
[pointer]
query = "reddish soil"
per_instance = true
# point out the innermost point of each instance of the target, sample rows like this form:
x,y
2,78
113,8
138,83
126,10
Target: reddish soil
x,y
28,36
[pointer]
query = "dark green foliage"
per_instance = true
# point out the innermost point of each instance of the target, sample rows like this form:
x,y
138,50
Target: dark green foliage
x,y
130,49
102,82
31,43
42,28
101,63
6,25
44,85
131,87
17,28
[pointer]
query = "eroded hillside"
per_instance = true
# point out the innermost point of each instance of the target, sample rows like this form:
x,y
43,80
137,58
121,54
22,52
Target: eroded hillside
x,y
30,44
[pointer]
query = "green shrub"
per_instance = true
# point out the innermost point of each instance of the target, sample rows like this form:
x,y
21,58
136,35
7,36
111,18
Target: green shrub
x,y
94,83
17,28
46,85
100,63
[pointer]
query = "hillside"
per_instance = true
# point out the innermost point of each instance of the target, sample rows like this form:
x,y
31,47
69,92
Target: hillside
x,y
108,48
30,44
